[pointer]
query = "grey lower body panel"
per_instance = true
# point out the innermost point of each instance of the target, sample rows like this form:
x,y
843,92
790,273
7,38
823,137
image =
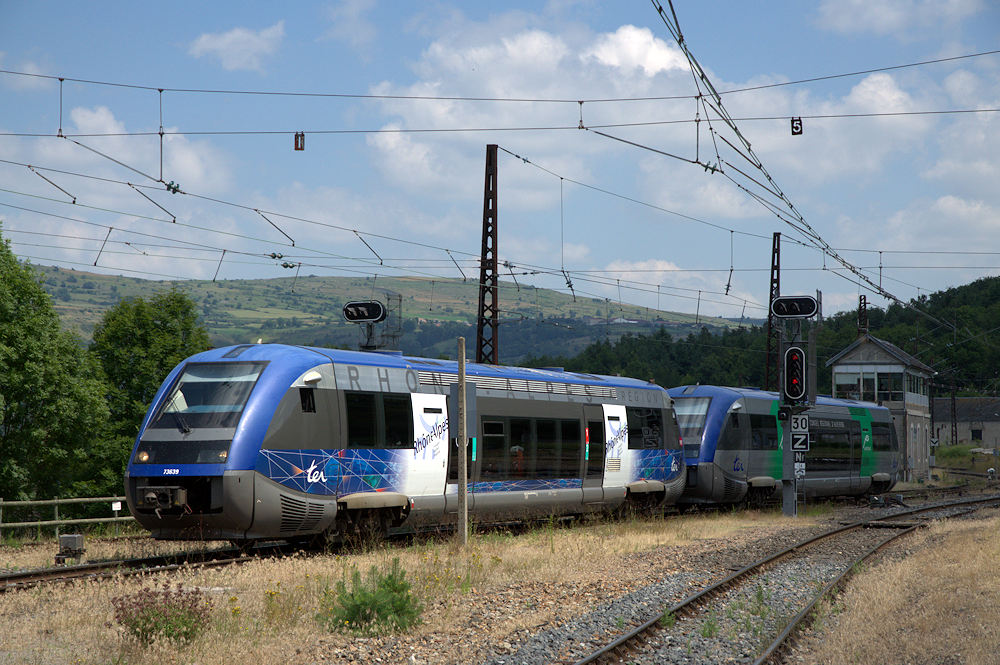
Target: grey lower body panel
x,y
706,483
222,512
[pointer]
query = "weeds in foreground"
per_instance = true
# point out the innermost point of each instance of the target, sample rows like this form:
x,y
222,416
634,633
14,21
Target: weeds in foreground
x,y
711,626
175,614
381,604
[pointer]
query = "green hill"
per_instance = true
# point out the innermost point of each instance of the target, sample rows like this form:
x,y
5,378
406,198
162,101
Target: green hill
x,y
425,315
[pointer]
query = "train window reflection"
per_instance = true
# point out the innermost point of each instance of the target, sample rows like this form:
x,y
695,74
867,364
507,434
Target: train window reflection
x,y
209,395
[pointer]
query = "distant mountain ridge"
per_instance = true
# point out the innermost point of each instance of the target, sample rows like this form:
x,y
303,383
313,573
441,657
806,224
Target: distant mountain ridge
x,y
308,310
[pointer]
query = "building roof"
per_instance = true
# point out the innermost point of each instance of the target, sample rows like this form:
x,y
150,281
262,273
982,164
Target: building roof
x,y
967,409
888,348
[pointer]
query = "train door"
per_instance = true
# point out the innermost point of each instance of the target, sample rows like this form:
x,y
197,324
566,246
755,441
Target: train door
x,y
860,440
451,487
427,470
593,472
617,463
425,475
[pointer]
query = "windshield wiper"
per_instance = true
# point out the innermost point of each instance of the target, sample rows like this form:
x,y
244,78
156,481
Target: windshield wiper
x,y
181,423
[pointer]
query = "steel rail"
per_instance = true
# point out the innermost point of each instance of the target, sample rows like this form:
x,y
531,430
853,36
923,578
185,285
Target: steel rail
x,y
690,602
775,652
27,579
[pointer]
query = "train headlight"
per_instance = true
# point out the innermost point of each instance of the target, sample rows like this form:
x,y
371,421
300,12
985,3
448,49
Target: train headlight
x,y
142,457
223,455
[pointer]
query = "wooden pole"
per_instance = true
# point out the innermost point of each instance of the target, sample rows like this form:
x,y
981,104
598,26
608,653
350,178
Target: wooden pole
x,y
463,445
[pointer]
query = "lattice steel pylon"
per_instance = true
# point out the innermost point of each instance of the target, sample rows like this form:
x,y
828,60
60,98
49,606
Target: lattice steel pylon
x,y
487,342
773,330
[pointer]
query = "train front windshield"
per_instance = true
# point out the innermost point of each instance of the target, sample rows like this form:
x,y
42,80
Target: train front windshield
x,y
691,413
208,395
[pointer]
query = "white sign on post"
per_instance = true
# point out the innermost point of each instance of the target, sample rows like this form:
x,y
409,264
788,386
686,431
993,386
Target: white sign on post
x,y
800,432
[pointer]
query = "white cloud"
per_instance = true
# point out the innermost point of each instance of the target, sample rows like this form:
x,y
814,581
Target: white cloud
x,y
630,48
526,63
240,48
29,82
892,17
196,165
679,289
349,24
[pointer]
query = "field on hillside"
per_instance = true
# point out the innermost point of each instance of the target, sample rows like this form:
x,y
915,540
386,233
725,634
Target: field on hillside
x,y
425,315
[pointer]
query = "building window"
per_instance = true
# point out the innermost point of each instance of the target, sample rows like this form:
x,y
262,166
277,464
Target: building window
x,y
977,435
847,385
890,387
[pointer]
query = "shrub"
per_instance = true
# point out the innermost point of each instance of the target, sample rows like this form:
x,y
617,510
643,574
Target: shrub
x,y
174,614
382,603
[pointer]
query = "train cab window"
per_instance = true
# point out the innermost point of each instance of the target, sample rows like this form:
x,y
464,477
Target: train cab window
x,y
645,428
378,420
691,413
208,395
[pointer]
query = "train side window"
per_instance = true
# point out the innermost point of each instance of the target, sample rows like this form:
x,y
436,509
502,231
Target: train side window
x,y
571,438
378,420
494,464
547,457
362,414
645,428
522,447
397,415
307,397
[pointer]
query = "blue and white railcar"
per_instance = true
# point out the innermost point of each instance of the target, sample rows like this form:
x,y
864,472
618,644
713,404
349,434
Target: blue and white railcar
x,y
733,445
272,441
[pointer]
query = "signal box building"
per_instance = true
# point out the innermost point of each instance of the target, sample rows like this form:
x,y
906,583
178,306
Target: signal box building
x,y
874,370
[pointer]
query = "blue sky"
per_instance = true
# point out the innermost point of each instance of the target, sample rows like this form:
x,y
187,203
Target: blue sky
x,y
907,197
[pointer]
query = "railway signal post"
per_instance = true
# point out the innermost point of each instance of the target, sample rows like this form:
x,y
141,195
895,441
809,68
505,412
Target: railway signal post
x,y
794,396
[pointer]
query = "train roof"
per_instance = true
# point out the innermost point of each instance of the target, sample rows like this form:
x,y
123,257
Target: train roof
x,y
732,394
306,357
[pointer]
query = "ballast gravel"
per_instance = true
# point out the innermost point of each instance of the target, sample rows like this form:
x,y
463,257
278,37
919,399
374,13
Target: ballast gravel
x,y
533,623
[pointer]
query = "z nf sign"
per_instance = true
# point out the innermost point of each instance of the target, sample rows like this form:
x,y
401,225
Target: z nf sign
x,y
800,432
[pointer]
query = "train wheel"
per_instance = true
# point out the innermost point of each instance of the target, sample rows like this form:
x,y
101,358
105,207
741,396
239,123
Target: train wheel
x,y
365,530
242,545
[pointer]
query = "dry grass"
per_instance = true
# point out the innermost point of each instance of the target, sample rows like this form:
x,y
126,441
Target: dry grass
x,y
938,604
263,612
41,554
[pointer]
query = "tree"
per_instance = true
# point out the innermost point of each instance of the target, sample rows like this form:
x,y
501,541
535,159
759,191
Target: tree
x,y
52,412
137,342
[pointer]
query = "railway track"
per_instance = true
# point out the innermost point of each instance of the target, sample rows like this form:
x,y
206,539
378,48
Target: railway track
x,y
740,603
27,579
